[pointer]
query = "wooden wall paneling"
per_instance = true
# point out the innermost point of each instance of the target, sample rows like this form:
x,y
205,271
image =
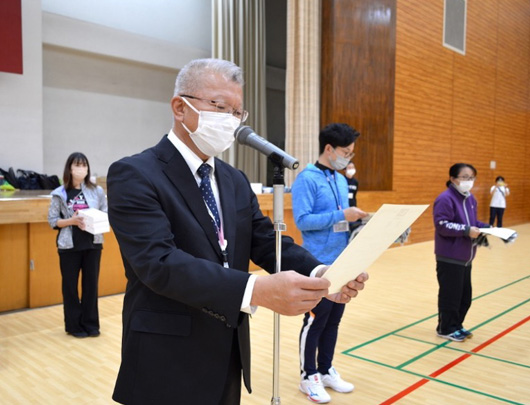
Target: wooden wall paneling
x,y
513,104
424,90
450,107
358,48
474,100
45,278
524,189
112,278
13,266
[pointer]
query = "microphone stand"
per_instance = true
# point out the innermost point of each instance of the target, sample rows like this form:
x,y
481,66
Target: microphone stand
x,y
278,185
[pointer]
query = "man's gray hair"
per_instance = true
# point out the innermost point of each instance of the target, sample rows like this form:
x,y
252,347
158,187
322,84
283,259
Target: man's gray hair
x,y
191,76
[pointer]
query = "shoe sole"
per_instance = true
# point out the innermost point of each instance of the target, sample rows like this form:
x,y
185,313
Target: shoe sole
x,y
450,338
336,390
309,398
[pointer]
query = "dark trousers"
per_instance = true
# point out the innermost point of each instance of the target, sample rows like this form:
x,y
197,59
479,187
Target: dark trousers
x,y
496,212
319,333
232,390
80,313
454,295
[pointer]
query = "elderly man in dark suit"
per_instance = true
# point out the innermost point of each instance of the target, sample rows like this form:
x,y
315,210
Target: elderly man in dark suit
x,y
187,225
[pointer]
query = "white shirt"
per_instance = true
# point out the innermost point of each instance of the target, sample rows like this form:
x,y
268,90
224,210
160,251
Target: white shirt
x,y
498,199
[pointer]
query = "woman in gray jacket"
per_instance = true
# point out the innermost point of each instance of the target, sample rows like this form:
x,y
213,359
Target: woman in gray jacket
x,y
79,251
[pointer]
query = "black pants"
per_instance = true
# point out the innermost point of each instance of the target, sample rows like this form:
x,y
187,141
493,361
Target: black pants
x,y
319,333
496,212
454,295
80,313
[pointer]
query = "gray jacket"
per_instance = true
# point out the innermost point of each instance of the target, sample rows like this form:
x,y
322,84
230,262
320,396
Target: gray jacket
x,y
95,198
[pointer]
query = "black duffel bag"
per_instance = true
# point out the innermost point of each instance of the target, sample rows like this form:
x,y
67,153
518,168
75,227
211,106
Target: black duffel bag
x,y
28,180
49,182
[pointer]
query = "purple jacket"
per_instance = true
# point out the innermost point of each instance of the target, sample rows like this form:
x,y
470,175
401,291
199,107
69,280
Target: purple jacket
x,y
453,215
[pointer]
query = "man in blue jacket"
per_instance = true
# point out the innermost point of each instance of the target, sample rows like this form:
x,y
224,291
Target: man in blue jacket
x,y
322,213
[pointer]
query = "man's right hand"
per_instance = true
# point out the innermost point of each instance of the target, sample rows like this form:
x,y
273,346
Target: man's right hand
x,y
352,214
289,293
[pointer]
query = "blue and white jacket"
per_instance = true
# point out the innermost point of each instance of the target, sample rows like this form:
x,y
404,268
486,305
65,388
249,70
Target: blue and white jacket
x,y
316,195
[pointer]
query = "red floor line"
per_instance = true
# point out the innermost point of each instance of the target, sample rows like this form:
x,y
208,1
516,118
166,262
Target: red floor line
x,y
450,365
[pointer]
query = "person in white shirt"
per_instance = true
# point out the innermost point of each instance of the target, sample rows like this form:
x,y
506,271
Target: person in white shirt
x,y
499,191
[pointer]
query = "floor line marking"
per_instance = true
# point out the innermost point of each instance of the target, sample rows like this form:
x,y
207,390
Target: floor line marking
x,y
428,317
437,380
441,345
438,346
452,364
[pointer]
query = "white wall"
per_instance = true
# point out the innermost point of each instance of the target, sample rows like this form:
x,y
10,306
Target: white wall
x,y
106,92
21,99
177,21
94,88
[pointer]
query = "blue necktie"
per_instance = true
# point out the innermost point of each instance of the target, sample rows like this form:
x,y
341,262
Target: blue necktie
x,y
207,194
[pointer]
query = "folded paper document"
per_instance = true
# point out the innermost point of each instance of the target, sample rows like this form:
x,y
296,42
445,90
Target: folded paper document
x,y
506,234
384,227
96,221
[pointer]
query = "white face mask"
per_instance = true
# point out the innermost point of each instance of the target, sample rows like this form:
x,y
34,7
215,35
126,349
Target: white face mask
x,y
340,163
350,172
465,186
79,172
215,131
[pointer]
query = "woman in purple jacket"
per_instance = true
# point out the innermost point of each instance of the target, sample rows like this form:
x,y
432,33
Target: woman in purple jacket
x,y
456,229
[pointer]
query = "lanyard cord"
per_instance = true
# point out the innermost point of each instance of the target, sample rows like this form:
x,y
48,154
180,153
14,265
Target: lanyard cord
x,y
337,194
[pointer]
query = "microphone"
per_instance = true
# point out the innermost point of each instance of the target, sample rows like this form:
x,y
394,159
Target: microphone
x,y
246,136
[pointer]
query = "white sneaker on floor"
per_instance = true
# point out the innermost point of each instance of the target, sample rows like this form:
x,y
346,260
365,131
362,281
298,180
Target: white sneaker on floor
x,y
314,389
333,381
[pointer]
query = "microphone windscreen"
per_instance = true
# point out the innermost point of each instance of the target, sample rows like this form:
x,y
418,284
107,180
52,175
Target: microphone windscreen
x,y
241,133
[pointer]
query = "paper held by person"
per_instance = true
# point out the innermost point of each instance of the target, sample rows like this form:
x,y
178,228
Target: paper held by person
x,y
386,225
503,233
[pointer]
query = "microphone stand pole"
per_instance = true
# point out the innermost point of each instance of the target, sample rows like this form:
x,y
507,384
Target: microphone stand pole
x,y
279,227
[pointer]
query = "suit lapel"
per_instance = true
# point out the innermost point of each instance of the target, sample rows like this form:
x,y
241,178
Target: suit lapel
x,y
179,174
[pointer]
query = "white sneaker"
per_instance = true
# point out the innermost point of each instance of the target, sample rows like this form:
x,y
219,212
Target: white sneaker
x,y
333,381
314,389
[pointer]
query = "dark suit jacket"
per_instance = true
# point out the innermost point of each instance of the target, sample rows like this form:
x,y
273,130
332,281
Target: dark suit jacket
x,y
181,306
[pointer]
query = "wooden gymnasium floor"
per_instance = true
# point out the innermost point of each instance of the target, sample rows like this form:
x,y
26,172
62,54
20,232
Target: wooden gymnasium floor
x,y
387,345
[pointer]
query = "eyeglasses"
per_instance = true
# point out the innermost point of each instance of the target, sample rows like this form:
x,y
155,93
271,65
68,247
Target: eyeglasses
x,y
222,107
346,154
466,178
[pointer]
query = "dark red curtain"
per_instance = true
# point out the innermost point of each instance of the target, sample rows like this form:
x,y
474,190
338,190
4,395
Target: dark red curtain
x,y
11,36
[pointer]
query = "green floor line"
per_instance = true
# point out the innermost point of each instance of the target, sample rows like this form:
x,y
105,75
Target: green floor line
x,y
347,351
445,346
500,288
501,314
512,363
436,380
420,356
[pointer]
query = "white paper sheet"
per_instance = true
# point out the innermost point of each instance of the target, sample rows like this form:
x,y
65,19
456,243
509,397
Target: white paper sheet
x,y
503,233
386,225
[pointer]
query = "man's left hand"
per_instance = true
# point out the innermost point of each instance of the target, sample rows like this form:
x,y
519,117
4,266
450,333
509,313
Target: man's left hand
x,y
349,291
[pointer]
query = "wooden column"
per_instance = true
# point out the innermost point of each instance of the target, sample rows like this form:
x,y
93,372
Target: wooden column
x,y
358,70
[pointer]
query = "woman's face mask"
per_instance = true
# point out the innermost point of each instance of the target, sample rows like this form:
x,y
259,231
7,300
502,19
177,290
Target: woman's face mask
x,y
215,131
79,172
465,186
